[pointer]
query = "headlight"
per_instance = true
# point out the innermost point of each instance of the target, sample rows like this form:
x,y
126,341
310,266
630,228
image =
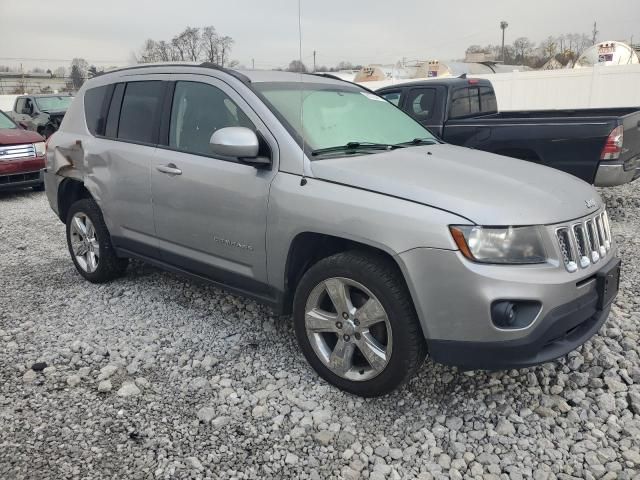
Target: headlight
x,y
40,149
499,244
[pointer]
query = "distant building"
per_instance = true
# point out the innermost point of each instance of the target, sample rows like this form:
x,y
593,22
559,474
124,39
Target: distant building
x,y
608,53
19,83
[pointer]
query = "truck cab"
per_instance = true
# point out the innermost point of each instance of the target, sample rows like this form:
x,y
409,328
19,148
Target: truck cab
x,y
600,146
41,113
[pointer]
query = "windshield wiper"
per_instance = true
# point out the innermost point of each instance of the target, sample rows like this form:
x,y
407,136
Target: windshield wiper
x,y
418,141
355,147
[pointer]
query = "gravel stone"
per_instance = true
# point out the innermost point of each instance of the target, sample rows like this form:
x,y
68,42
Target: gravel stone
x,y
104,386
74,380
128,389
203,361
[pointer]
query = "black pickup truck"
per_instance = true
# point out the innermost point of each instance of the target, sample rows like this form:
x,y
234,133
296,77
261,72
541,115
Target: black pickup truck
x,y
600,146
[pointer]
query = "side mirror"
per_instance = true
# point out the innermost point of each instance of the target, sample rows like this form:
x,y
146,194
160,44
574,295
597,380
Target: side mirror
x,y
238,142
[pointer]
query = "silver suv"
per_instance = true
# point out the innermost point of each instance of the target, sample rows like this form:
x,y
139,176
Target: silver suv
x,y
321,199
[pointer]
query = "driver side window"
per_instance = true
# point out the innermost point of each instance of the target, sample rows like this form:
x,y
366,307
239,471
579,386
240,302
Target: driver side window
x,y
198,111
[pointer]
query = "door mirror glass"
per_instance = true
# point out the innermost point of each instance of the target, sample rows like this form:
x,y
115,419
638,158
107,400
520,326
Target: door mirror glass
x,y
238,142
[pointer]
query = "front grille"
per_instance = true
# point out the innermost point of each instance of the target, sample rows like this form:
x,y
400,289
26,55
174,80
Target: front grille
x,y
585,243
19,177
12,152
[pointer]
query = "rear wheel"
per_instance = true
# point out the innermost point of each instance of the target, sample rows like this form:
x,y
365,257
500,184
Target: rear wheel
x,y
90,245
356,324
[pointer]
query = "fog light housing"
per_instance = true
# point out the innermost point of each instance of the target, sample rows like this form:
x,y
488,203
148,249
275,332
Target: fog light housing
x,y
514,314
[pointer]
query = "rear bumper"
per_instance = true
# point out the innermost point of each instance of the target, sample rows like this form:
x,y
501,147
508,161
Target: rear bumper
x,y
611,175
15,181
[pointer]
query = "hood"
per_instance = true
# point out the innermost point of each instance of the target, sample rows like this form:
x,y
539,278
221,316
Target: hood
x,y
14,136
485,188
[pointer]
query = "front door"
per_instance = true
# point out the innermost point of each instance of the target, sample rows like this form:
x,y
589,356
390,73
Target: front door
x,y
210,212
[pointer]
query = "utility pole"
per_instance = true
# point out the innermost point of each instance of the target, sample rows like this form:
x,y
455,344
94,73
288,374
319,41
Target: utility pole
x,y
595,32
253,64
503,26
314,61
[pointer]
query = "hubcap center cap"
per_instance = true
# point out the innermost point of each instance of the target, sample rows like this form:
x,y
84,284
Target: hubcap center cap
x,y
349,327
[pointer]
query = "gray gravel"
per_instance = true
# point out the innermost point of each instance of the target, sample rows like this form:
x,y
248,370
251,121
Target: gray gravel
x,y
154,376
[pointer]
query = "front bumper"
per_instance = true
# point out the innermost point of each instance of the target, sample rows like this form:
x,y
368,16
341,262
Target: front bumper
x,y
453,298
614,174
16,181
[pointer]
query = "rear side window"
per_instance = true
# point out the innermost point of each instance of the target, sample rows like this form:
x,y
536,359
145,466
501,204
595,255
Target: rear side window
x,y
472,101
198,111
94,108
20,105
393,97
140,112
421,102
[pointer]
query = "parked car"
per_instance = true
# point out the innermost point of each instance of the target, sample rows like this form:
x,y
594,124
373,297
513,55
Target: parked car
x,y
382,246
41,113
21,156
600,146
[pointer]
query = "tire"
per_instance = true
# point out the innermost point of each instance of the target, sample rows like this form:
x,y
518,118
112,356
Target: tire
x,y
104,265
370,280
38,188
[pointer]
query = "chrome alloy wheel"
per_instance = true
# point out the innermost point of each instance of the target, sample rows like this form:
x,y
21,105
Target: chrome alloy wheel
x,y
84,242
348,329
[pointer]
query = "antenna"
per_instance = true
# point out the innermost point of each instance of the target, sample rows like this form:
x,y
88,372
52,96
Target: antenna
x,y
304,180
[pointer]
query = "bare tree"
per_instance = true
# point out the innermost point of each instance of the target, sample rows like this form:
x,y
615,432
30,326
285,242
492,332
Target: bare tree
x,y
210,44
225,48
79,68
190,42
523,47
549,47
297,66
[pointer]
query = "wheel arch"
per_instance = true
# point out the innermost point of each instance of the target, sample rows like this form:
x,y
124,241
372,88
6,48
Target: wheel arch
x,y
308,248
70,191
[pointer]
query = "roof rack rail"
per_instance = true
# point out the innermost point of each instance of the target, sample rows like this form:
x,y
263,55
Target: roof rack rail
x,y
335,77
243,78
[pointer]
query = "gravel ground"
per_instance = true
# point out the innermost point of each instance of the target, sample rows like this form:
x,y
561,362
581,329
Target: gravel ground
x,y
153,376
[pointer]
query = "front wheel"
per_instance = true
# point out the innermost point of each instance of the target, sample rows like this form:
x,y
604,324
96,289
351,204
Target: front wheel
x,y
356,324
90,245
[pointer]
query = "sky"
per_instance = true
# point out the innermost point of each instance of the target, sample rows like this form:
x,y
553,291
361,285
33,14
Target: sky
x,y
266,31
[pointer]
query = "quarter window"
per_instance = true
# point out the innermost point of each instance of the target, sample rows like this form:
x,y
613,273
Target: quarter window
x,y
473,101
421,102
198,111
94,110
140,112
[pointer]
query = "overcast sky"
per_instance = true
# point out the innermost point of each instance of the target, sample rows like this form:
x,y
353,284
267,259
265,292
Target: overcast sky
x,y
361,31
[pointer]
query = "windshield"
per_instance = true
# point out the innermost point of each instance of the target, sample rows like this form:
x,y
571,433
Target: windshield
x,y
336,115
6,122
53,104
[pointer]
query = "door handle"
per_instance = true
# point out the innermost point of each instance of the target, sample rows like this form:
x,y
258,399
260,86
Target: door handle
x,y
169,169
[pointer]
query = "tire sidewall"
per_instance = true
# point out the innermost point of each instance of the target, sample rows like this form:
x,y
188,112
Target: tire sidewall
x,y
399,363
90,209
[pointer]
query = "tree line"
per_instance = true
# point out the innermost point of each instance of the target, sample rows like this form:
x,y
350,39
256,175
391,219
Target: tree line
x,y
193,44
523,51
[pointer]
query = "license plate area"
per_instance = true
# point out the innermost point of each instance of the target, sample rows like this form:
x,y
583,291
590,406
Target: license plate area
x,y
608,284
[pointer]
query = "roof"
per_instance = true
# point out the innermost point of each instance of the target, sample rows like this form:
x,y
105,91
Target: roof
x,y
447,82
245,76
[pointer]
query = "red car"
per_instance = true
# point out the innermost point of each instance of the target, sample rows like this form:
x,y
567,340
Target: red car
x,y
22,156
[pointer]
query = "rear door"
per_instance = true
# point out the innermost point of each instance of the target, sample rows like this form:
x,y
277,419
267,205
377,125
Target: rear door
x,y
211,212
461,127
119,158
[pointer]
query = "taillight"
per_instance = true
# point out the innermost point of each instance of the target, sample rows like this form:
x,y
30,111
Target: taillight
x,y
613,147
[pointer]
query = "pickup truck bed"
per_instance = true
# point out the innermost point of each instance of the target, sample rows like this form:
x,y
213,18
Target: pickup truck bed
x,y
573,141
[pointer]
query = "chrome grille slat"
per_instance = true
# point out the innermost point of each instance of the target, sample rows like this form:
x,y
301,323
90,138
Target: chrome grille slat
x,y
13,152
584,243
